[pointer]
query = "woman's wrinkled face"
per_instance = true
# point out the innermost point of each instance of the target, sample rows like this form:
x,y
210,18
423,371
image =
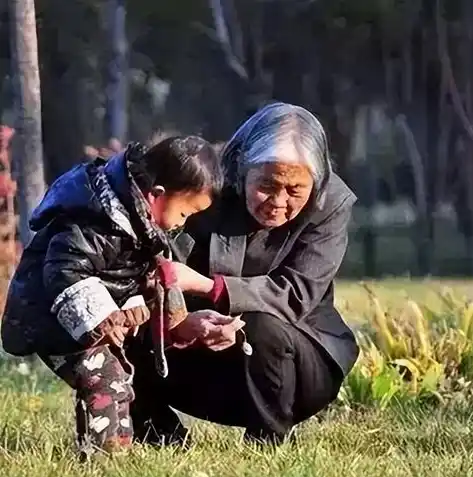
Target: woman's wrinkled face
x,y
277,192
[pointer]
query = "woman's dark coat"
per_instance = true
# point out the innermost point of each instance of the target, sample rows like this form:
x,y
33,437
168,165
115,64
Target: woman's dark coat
x,y
293,266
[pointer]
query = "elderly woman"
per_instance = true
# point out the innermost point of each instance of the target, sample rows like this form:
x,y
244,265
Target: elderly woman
x,y
269,250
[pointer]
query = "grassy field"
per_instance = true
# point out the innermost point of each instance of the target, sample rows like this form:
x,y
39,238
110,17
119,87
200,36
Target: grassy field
x,y
36,437
351,298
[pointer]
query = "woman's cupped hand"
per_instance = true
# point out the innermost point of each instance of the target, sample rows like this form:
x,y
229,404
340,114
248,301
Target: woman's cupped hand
x,y
212,329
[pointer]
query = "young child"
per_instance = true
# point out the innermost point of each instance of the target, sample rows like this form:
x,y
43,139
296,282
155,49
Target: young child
x,y
76,294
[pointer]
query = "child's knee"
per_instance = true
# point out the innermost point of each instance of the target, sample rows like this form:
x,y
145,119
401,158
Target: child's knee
x,y
102,378
100,392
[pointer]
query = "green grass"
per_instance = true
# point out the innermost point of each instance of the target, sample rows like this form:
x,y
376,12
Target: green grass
x,y
36,430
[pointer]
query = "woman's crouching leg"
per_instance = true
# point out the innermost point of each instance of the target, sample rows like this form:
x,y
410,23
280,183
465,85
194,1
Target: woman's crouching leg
x,y
289,377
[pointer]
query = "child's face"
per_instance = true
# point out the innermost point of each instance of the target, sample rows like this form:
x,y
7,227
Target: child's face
x,y
170,211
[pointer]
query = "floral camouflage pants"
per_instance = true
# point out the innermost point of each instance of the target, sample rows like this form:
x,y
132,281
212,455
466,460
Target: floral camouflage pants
x,y
102,379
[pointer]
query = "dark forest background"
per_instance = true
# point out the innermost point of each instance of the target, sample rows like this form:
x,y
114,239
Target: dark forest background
x,y
391,80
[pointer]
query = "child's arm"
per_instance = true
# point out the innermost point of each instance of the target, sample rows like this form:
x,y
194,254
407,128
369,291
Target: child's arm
x,y
82,304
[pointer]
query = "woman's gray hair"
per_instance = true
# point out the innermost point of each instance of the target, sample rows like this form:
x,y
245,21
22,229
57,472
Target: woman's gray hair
x,y
279,132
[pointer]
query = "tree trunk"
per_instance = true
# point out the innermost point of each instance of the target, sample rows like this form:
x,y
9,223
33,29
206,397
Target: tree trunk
x,y
28,160
116,122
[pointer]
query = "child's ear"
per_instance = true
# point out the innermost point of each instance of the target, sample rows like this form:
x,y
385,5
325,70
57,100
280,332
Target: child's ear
x,y
158,191
155,193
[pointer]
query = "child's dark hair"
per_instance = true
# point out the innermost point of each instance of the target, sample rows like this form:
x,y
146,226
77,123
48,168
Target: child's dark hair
x,y
179,164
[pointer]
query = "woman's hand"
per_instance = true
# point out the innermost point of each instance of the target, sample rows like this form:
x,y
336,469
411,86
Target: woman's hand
x,y
188,280
223,336
194,327
214,330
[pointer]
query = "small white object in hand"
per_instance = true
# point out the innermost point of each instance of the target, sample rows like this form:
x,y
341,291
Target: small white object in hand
x,y
247,348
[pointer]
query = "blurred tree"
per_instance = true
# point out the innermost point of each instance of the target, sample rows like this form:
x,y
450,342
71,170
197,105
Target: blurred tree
x,y
28,154
116,117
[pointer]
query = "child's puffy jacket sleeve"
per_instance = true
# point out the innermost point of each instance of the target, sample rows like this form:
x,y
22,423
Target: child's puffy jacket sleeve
x,y
73,259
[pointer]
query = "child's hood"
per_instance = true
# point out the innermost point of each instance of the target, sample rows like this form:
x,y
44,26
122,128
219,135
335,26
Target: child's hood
x,y
69,194
85,190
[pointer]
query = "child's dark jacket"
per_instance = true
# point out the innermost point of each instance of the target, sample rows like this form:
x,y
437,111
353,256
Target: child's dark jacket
x,y
93,248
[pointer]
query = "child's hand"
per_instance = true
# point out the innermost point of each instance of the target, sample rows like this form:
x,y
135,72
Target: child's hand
x,y
114,329
135,316
116,336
